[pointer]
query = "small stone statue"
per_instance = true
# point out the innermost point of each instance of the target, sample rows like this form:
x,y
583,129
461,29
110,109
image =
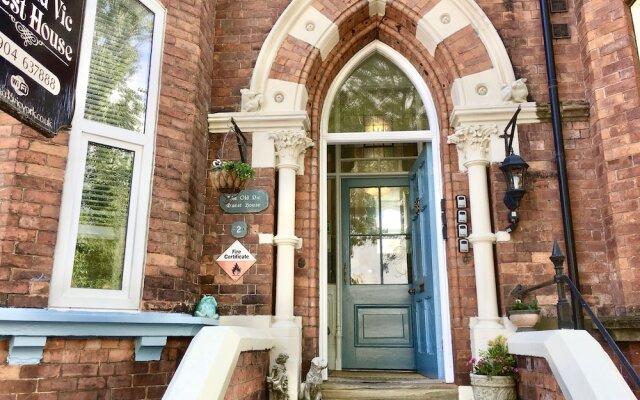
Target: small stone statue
x,y
278,382
310,390
207,307
250,101
515,92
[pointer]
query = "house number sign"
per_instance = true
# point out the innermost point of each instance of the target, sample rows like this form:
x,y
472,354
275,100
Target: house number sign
x,y
245,202
239,229
39,46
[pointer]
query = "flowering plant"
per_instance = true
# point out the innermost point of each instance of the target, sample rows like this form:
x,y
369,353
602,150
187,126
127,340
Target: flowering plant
x,y
243,170
496,360
520,305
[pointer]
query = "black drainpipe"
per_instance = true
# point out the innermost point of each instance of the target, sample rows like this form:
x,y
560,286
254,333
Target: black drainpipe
x,y
556,122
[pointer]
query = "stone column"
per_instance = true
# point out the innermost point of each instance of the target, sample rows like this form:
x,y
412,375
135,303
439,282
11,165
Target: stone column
x,y
290,149
472,143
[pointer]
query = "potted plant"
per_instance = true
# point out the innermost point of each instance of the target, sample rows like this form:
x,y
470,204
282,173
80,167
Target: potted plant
x,y
524,315
230,176
494,375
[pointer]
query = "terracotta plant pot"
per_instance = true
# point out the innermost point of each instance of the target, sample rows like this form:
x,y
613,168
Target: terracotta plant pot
x,y
524,319
226,182
493,388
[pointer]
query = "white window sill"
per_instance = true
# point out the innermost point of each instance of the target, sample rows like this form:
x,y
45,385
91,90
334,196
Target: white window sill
x,y
28,329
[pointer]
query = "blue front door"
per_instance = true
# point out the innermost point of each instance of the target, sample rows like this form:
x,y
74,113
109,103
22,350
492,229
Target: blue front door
x,y
424,280
377,307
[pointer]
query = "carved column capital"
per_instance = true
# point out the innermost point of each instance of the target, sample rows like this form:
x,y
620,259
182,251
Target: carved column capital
x,y
290,148
473,142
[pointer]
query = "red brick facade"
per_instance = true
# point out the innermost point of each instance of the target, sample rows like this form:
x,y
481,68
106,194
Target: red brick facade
x,y
90,369
210,52
249,378
536,380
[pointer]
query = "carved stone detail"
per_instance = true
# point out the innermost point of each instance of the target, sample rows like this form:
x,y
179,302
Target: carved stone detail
x,y
290,148
278,382
250,101
311,388
473,142
515,92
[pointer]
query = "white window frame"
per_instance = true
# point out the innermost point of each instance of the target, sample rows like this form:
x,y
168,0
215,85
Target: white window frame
x,y
635,18
83,131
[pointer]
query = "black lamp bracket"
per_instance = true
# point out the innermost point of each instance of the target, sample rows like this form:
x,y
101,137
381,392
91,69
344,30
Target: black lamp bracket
x,y
513,221
241,140
508,137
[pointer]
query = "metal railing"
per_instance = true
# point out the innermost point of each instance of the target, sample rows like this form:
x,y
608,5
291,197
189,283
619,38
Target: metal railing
x,y
563,307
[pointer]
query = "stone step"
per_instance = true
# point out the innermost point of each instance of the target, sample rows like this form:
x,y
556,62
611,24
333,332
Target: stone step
x,y
370,385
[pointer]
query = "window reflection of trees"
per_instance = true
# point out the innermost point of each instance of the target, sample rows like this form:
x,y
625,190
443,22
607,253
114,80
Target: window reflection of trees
x,y
100,247
120,62
377,96
387,238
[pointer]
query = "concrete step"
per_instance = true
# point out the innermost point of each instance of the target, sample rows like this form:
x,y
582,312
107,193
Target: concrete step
x,y
374,385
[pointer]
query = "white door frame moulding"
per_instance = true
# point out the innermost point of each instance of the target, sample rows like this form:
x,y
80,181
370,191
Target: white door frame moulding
x,y
430,135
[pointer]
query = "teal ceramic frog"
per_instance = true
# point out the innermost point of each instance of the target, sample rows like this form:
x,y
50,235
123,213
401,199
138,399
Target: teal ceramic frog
x,y
207,308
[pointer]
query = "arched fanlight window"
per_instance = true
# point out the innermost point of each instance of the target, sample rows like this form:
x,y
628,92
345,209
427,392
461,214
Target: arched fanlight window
x,y
377,97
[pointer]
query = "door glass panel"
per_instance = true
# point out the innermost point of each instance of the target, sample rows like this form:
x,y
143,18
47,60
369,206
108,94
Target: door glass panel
x,y
363,211
104,211
378,235
395,267
364,254
394,209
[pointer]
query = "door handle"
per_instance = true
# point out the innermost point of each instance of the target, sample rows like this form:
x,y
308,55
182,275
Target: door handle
x,y
412,291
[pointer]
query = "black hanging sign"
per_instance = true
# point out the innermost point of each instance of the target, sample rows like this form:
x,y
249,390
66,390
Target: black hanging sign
x,y
39,48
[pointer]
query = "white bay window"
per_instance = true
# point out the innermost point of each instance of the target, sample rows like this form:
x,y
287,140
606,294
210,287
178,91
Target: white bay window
x,y
101,243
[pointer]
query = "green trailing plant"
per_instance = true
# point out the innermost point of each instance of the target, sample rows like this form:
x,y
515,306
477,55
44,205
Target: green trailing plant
x,y
496,360
520,305
243,170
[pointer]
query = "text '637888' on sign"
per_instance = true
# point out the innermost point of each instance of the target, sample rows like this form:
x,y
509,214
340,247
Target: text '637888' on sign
x,y
20,59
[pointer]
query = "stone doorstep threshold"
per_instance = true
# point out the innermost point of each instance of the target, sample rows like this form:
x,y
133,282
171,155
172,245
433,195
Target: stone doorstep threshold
x,y
372,385
28,329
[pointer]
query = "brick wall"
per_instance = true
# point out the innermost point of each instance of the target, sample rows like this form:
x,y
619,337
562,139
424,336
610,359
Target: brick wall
x,y
252,294
607,48
31,179
31,175
537,380
249,380
83,369
177,207
33,169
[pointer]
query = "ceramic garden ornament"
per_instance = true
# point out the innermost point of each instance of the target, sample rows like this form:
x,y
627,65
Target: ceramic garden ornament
x,y
207,308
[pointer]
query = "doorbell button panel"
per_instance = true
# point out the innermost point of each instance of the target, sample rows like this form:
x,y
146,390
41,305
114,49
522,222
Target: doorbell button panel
x,y
463,245
462,231
461,201
462,216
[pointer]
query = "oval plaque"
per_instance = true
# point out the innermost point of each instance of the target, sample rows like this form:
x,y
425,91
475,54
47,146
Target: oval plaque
x,y
246,202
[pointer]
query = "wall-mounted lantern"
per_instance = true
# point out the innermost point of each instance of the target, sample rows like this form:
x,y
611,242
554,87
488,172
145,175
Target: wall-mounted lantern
x,y
514,169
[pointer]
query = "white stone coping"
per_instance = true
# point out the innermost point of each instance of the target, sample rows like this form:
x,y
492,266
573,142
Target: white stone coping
x,y
260,121
581,367
209,363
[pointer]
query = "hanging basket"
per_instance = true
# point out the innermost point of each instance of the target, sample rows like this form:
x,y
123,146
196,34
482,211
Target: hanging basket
x,y
223,175
227,182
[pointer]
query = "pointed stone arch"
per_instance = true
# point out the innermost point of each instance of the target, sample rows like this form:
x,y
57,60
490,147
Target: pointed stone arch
x,y
454,41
